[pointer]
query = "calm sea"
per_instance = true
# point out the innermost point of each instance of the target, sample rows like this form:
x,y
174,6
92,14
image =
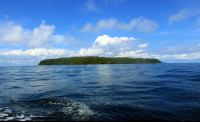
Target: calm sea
x,y
100,92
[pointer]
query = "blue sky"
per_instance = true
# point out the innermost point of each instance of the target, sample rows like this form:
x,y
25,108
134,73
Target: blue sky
x,y
31,31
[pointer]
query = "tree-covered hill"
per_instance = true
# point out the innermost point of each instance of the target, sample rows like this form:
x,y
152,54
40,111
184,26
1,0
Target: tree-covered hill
x,y
96,60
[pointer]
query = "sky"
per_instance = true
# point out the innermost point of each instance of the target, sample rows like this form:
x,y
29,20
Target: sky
x,y
34,30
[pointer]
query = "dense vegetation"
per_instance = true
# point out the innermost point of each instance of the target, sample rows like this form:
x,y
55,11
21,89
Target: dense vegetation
x,y
96,60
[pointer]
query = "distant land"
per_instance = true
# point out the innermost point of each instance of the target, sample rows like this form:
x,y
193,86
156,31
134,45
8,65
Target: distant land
x,y
84,60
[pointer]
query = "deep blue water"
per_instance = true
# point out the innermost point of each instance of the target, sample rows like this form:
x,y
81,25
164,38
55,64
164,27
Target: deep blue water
x,y
101,92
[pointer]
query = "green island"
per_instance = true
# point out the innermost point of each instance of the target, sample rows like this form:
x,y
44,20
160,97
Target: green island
x,y
84,60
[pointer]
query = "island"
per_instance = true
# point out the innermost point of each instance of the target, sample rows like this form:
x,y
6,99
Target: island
x,y
89,60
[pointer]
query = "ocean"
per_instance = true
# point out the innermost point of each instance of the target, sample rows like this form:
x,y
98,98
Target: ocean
x,y
114,92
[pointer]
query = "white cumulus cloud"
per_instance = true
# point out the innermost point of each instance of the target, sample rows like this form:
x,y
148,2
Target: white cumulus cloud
x,y
41,36
11,34
109,46
106,40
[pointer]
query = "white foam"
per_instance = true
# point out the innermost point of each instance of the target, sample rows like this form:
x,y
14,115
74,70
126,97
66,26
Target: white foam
x,y
21,116
32,116
9,118
77,110
8,111
28,118
3,114
25,119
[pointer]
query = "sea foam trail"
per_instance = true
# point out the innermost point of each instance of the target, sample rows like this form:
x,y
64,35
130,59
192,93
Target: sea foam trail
x,y
46,109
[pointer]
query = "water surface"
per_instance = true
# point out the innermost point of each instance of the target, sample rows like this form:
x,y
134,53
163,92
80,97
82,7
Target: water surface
x,y
100,92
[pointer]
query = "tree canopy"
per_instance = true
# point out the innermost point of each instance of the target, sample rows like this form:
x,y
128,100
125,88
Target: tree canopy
x,y
96,60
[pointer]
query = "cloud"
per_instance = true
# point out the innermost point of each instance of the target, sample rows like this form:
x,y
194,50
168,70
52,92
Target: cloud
x,y
178,50
133,54
40,51
198,22
143,45
89,6
195,40
167,54
176,54
164,33
105,24
66,40
169,58
42,36
109,46
11,34
106,40
140,24
146,26
166,41
18,60
91,52
103,46
15,35
87,28
186,57
183,15
5,15
112,2
33,56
